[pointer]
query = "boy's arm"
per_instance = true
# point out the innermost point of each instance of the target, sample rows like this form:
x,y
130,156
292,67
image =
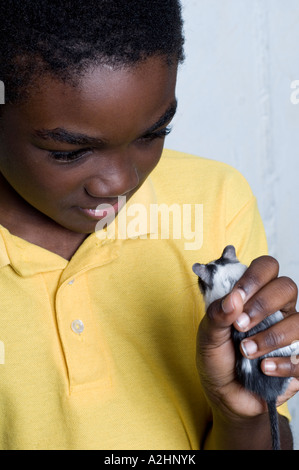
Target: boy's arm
x,y
252,434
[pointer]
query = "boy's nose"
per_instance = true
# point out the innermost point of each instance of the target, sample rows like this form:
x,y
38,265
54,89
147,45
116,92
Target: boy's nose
x,y
116,182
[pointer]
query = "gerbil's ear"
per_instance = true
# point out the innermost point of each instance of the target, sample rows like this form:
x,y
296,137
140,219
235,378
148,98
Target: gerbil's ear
x,y
229,253
201,271
204,277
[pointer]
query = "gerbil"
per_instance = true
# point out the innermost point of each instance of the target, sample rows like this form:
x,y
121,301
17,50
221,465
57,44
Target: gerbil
x,y
216,279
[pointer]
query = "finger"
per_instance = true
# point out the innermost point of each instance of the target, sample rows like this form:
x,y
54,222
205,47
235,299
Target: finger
x,y
292,389
261,271
280,335
279,294
281,366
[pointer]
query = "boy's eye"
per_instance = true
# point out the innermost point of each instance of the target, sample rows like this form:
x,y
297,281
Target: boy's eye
x,y
69,156
156,135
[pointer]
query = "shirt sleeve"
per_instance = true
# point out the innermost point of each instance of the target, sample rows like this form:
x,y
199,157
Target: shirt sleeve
x,y
244,226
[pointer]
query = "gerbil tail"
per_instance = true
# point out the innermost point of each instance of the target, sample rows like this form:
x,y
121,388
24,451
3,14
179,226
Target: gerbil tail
x,y
273,415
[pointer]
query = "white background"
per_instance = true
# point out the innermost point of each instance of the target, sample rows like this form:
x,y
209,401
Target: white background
x,y
234,106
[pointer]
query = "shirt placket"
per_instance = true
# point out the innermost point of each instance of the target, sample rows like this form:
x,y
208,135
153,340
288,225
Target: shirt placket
x,y
83,343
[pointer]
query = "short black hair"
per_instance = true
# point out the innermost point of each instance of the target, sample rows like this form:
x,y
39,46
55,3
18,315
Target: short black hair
x,y
63,38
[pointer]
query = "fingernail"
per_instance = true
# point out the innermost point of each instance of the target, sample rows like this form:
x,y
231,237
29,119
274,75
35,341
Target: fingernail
x,y
243,321
269,366
242,294
249,347
227,304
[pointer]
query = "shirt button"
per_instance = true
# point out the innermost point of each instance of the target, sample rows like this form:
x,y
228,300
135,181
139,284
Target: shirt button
x,y
77,326
71,282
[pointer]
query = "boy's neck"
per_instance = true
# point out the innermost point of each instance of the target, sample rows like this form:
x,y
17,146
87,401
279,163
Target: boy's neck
x,y
24,221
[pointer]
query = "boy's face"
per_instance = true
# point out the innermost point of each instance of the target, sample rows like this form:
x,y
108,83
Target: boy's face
x,y
69,149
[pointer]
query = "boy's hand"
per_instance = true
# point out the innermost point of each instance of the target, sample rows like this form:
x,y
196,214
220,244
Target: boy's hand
x,y
258,294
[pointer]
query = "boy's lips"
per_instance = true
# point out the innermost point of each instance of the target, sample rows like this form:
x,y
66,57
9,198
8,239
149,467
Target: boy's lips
x,y
104,209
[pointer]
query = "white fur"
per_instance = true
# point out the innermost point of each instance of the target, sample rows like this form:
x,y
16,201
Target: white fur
x,y
246,366
287,351
224,280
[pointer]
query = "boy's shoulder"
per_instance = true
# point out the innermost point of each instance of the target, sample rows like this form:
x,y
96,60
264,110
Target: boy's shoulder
x,y
192,174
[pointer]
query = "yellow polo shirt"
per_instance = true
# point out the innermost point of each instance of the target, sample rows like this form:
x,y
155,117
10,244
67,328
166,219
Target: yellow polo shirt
x,y
99,352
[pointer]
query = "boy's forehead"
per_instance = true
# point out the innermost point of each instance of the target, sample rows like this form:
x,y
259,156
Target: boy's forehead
x,y
144,94
152,78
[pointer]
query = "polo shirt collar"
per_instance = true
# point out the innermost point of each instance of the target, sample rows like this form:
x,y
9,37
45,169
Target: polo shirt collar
x,y
99,248
26,258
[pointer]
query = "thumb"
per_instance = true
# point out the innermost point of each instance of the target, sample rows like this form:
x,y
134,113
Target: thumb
x,y
220,316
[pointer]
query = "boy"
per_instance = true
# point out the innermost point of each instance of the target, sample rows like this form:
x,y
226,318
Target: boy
x,y
99,331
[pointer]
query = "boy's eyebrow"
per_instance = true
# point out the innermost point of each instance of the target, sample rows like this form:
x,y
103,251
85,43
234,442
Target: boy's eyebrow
x,y
67,137
73,138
